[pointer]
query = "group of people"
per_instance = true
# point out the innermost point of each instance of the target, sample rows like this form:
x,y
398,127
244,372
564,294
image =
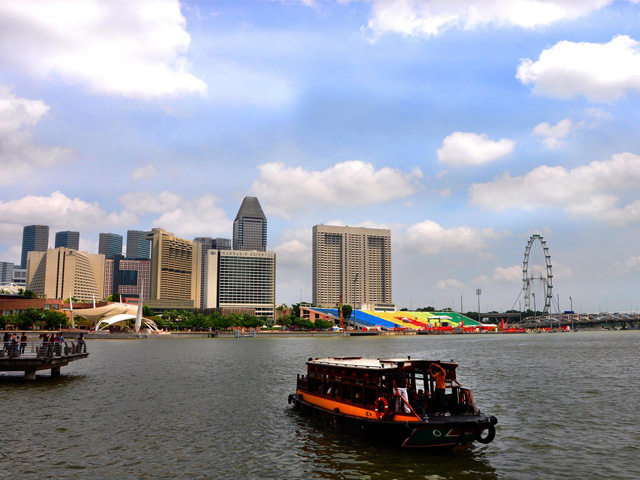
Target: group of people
x,y
418,399
14,344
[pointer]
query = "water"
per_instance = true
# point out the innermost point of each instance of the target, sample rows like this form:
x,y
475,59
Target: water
x,y
217,408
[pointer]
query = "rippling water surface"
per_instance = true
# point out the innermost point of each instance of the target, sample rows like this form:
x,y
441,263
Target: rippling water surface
x,y
567,406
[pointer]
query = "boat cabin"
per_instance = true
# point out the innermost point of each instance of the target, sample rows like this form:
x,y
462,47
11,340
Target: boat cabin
x,y
367,385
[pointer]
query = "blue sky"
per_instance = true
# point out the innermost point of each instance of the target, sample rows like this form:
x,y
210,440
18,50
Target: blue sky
x,y
464,130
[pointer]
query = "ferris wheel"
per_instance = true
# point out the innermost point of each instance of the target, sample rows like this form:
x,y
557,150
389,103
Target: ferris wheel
x,y
537,278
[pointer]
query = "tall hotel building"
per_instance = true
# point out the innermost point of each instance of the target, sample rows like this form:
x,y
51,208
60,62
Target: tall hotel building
x,y
173,284
250,226
35,238
110,244
354,263
68,239
201,246
61,272
238,280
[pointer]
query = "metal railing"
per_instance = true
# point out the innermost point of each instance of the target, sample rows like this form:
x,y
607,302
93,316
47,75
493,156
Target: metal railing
x,y
43,349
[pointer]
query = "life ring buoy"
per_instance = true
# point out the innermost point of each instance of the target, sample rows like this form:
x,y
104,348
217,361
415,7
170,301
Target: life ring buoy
x,y
381,408
489,438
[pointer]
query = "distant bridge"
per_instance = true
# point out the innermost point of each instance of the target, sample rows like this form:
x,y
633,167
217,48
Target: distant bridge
x,y
583,320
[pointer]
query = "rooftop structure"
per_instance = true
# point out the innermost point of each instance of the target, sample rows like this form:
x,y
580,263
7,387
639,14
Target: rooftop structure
x,y
250,226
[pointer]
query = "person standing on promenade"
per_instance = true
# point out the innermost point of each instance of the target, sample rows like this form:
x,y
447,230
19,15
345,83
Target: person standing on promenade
x,y
439,374
23,342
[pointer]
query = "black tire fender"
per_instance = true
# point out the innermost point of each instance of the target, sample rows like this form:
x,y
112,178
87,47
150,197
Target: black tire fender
x,y
489,438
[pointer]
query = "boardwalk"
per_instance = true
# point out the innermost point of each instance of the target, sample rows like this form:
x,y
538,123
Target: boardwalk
x,y
38,356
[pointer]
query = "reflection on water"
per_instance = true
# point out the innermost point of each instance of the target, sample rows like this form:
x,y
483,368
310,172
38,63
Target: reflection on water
x,y
217,408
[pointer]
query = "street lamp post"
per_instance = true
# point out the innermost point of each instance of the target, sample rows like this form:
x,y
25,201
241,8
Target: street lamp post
x,y
355,303
534,306
478,292
571,300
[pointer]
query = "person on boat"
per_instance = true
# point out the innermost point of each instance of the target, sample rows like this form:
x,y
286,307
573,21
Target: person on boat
x,y
439,374
421,402
399,380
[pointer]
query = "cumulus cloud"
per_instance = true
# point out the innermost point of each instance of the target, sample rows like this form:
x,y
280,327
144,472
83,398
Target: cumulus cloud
x,y
20,157
59,212
143,173
150,202
430,238
134,49
286,190
600,72
508,274
464,148
630,265
553,134
592,190
426,19
449,284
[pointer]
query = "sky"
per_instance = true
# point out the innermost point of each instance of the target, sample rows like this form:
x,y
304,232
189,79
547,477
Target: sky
x,y
463,129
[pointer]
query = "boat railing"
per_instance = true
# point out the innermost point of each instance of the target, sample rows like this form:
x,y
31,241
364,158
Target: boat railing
x,y
464,398
398,404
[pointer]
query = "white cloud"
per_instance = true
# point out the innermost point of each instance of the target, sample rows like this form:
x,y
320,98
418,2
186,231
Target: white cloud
x,y
591,190
449,284
143,173
508,274
286,190
598,71
555,134
464,148
430,238
59,212
134,49
20,157
149,202
194,218
430,18
630,265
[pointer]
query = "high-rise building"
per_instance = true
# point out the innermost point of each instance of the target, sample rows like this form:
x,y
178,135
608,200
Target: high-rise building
x,y
354,263
35,238
110,245
172,268
203,245
250,226
240,280
138,247
6,273
62,272
127,277
68,239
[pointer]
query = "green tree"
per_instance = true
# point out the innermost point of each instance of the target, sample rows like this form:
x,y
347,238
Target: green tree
x,y
346,311
54,320
29,294
146,311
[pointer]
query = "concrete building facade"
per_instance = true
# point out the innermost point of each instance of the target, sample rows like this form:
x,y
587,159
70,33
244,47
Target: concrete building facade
x,y
203,245
354,263
62,272
172,266
241,279
250,226
68,239
35,238
127,277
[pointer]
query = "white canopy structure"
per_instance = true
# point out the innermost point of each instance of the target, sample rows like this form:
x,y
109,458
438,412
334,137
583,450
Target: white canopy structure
x,y
103,317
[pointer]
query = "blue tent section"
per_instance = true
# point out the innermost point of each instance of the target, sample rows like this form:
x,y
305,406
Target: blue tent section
x,y
362,318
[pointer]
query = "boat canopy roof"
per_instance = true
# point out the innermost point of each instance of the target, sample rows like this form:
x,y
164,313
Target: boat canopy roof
x,y
360,363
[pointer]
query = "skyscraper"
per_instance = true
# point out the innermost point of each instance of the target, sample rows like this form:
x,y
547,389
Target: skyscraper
x,y
110,244
35,238
354,263
6,273
68,239
62,272
138,247
241,280
171,267
250,226
201,246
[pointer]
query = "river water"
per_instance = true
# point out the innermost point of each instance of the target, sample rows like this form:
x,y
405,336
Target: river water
x,y
567,406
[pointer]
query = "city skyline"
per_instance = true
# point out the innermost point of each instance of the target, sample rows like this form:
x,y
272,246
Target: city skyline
x,y
464,132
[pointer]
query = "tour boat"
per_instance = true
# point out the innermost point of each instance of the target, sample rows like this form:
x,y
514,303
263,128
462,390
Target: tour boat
x,y
358,394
